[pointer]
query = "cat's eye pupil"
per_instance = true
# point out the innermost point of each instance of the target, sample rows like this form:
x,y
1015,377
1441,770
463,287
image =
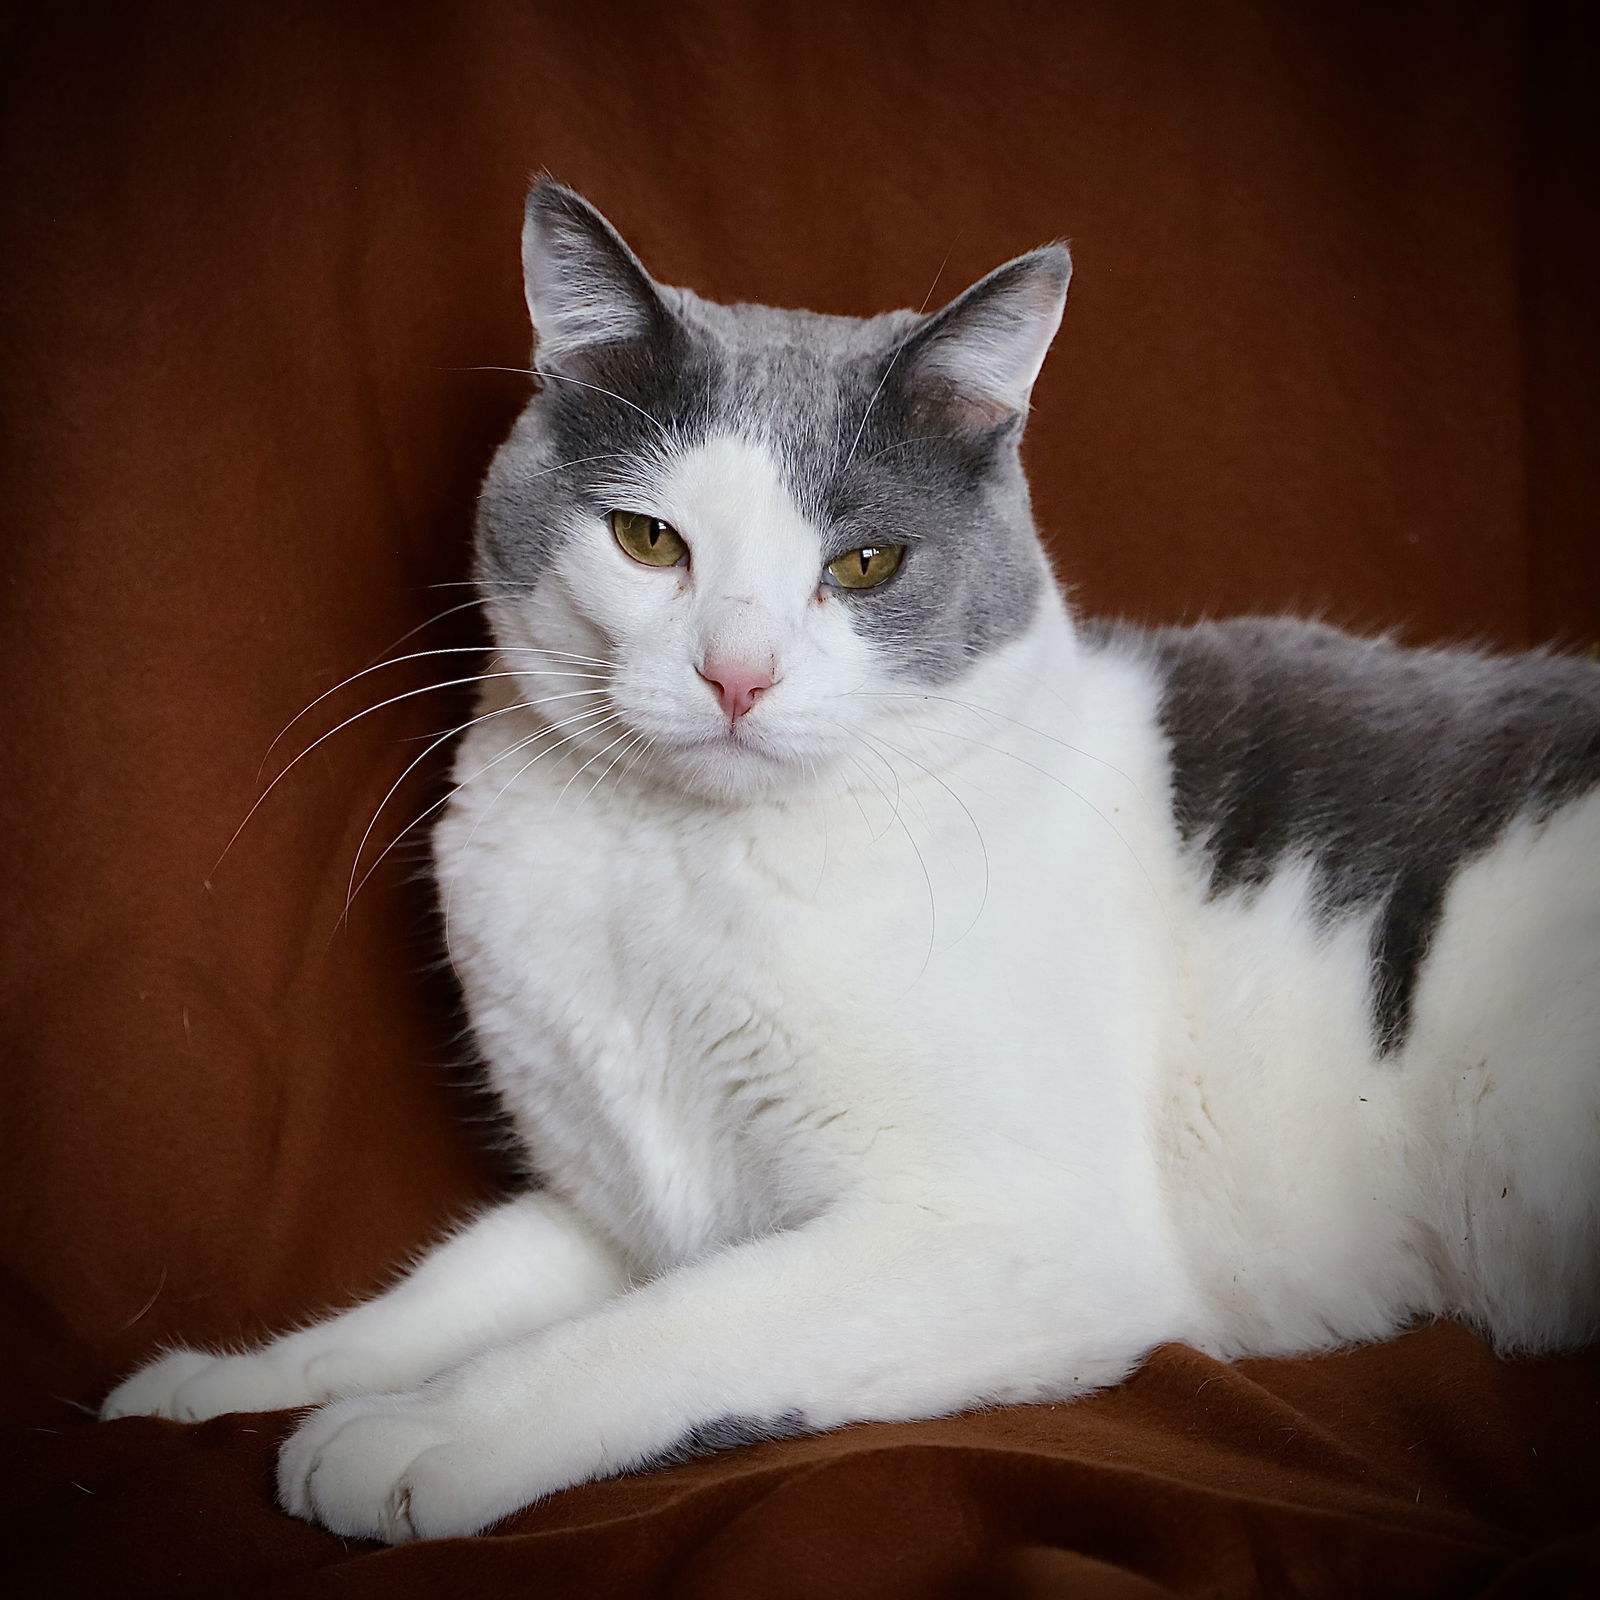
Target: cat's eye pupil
x,y
649,540
865,568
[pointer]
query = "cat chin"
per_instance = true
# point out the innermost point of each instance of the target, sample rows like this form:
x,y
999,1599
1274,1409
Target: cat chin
x,y
728,770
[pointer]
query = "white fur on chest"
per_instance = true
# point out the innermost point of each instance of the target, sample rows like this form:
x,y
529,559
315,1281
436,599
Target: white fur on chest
x,y
989,974
711,1021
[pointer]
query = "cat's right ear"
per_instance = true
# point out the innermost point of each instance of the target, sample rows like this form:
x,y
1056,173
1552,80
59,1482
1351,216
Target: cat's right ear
x,y
978,357
586,289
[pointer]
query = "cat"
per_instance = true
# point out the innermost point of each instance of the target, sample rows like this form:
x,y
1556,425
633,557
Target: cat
x,y
913,998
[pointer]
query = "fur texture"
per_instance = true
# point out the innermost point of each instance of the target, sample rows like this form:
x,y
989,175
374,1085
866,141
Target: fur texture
x,y
989,1001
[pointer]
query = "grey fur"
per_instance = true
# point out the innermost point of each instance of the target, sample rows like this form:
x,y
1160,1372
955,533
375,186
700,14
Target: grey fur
x,y
727,1433
1388,769
879,443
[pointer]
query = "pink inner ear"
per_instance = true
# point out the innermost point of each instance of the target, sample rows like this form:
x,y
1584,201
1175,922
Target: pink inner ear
x,y
963,408
980,356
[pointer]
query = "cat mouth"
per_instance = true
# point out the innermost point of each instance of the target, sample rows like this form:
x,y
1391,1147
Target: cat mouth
x,y
730,738
733,742
728,735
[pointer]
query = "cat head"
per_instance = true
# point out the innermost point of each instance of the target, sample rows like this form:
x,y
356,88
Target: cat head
x,y
762,528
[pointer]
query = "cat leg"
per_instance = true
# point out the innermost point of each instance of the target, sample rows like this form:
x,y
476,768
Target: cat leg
x,y
520,1266
849,1318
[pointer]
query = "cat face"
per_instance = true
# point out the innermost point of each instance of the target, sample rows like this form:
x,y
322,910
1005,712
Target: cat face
x,y
766,526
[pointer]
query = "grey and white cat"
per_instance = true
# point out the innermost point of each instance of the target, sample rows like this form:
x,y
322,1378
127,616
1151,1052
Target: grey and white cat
x,y
910,998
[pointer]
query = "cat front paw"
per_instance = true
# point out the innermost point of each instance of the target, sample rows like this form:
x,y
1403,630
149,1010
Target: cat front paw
x,y
152,1391
192,1386
396,1468
442,1461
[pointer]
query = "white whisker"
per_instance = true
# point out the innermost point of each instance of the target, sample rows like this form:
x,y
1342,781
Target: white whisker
x,y
630,745
566,658
562,377
900,444
353,888
927,877
587,764
873,835
898,350
473,583
1077,794
605,721
444,799
972,821
989,711
411,633
410,694
822,813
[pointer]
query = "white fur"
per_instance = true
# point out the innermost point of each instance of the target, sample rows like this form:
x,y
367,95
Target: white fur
x,y
888,1047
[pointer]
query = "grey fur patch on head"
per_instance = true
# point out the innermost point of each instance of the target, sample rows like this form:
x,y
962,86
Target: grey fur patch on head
x,y
1387,769
895,429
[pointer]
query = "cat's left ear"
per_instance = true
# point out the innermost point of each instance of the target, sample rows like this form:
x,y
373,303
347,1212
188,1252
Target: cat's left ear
x,y
586,289
981,354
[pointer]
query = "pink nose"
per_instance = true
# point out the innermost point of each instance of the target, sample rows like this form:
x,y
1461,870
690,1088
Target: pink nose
x,y
737,684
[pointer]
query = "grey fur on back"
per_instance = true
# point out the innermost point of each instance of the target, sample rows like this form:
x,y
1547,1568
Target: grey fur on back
x,y
1387,769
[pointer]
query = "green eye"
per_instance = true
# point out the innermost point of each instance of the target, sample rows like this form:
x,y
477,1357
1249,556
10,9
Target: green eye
x,y
868,567
649,540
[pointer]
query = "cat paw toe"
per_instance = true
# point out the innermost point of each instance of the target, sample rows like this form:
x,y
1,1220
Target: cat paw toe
x,y
347,1467
398,1468
337,1373
241,1383
152,1391
191,1386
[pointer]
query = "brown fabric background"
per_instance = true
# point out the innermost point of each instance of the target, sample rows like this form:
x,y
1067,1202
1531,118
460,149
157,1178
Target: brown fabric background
x,y
1330,347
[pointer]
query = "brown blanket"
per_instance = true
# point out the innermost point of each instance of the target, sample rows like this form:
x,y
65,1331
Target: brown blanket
x,y
1330,347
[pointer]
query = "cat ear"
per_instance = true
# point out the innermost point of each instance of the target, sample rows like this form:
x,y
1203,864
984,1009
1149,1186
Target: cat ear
x,y
981,354
585,287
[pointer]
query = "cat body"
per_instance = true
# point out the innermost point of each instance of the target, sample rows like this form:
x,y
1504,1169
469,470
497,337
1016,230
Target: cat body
x,y
907,996
809,999
1060,1031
